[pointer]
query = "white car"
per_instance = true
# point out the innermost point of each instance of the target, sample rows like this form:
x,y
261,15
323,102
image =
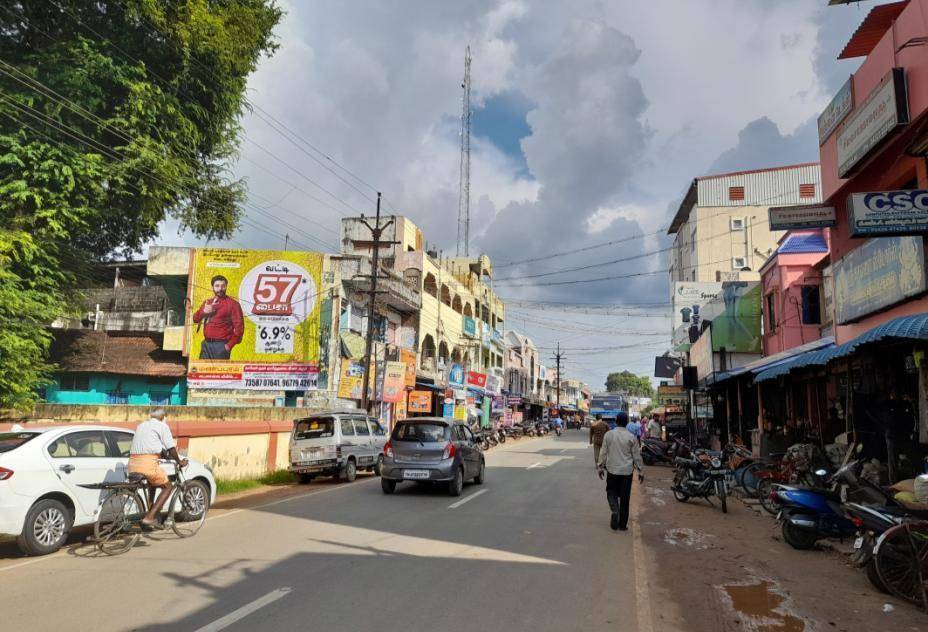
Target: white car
x,y
41,473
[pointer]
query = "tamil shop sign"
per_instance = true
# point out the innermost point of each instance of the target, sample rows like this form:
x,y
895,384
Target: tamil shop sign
x,y
801,216
470,327
888,213
835,112
885,109
255,377
476,380
880,273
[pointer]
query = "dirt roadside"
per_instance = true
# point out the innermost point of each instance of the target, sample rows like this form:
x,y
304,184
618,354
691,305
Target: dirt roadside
x,y
730,572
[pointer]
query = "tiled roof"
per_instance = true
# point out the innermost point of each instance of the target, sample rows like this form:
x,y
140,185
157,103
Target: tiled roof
x,y
87,351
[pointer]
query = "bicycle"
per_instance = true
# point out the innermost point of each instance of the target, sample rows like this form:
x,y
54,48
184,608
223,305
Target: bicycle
x,y
119,522
901,560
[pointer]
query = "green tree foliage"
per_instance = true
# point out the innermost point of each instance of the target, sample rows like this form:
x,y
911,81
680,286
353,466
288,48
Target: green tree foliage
x,y
630,384
114,116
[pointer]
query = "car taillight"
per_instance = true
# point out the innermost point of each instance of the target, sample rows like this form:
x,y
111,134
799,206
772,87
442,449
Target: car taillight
x,y
388,450
338,451
5,473
449,451
858,522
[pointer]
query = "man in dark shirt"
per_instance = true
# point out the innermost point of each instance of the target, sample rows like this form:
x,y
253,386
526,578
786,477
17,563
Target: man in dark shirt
x,y
223,322
597,431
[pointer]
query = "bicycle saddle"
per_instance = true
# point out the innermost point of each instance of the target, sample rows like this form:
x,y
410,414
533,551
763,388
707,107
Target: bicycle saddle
x,y
136,477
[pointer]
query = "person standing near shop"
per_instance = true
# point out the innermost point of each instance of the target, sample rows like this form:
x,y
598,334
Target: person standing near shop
x,y
654,429
597,431
619,458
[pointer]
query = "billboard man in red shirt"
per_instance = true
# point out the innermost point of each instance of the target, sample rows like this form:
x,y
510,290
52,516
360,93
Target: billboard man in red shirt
x,y
222,320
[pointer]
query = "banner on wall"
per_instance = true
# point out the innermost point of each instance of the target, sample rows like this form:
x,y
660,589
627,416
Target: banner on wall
x,y
400,408
394,381
420,402
409,359
476,380
351,378
253,309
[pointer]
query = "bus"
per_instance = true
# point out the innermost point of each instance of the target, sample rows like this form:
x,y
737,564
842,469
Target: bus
x,y
609,405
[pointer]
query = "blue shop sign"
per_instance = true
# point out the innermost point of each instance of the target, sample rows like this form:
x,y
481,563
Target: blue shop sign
x,y
877,275
470,327
456,376
888,213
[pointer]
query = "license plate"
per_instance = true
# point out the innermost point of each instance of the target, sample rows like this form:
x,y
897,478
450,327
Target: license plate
x,y
718,472
859,542
415,474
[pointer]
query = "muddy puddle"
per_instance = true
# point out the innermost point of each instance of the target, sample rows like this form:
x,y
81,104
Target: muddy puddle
x,y
761,607
687,537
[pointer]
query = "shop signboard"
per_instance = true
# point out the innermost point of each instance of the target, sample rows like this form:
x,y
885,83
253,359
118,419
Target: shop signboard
x,y
701,355
254,377
447,411
836,111
470,327
801,216
399,408
420,402
515,401
394,381
476,380
886,213
485,335
408,358
258,312
456,376
884,109
498,404
877,275
494,384
542,372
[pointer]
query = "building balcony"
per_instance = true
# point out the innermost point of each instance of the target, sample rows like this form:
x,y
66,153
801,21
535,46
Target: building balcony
x,y
395,292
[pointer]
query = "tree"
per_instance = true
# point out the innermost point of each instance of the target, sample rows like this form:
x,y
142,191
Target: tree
x,y
114,115
630,384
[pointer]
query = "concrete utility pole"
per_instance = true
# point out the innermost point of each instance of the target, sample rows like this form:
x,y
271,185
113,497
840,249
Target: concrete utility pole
x,y
557,358
464,185
376,233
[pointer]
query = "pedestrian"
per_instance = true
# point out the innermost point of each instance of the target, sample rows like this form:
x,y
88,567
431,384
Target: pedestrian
x,y
654,428
619,458
635,428
598,430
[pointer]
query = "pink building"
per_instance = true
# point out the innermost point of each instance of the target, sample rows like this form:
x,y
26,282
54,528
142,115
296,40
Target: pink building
x,y
792,291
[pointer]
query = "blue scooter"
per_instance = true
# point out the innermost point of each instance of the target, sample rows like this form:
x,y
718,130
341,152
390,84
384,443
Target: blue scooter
x,y
808,514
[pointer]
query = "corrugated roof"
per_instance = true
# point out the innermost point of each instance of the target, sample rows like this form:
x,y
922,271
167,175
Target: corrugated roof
x,y
872,29
799,243
765,170
87,351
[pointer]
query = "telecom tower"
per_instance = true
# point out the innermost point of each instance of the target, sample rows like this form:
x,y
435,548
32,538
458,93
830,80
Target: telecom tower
x,y
464,190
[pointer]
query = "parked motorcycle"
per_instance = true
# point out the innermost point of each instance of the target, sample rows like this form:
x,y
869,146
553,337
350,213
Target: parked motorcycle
x,y
700,477
655,451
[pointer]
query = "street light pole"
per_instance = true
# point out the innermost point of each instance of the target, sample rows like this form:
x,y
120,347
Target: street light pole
x,y
376,232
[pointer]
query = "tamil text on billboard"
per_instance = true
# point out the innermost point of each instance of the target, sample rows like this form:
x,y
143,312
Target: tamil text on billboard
x,y
888,213
256,311
878,274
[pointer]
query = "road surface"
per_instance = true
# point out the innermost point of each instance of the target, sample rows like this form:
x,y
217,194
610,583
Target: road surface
x,y
530,549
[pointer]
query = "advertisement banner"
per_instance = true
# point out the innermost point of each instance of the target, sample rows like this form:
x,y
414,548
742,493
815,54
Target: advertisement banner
x,y
877,275
394,381
517,417
456,376
834,112
494,384
350,380
409,359
399,409
476,380
736,318
515,401
420,402
460,413
259,377
498,405
887,213
801,216
447,411
884,109
470,327
688,300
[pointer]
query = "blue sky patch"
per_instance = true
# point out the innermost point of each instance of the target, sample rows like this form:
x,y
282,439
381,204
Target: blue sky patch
x,y
502,121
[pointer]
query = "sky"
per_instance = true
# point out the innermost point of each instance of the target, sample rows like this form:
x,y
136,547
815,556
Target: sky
x,y
590,119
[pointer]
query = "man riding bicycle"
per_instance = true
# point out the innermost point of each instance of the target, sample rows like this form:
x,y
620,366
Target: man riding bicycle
x,y
152,439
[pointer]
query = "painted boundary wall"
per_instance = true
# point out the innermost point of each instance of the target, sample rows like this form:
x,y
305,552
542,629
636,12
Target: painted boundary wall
x,y
235,442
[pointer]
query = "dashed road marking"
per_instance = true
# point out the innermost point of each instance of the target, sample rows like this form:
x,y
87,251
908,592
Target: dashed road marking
x,y
244,611
468,499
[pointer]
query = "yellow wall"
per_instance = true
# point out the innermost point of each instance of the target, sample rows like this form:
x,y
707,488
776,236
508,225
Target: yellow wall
x,y
232,456
282,461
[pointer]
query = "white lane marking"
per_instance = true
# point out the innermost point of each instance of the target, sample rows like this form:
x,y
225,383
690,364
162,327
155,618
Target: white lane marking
x,y
244,611
644,614
534,465
466,500
563,451
27,563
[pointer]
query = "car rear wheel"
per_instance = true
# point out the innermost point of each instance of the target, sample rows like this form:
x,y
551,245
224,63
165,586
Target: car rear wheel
x,y
387,486
306,479
350,473
481,474
456,486
379,465
47,526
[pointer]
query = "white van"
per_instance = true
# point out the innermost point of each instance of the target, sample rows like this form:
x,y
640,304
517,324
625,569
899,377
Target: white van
x,y
336,443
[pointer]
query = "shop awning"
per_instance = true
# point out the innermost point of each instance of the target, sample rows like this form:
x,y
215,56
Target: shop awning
x,y
776,360
431,387
904,328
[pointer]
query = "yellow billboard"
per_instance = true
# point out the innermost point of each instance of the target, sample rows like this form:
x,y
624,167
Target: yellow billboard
x,y
259,309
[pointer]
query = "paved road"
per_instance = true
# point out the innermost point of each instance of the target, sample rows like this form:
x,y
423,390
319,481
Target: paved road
x,y
528,550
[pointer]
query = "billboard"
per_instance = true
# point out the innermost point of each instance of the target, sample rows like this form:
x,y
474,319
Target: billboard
x,y
733,308
408,357
880,114
420,402
880,273
351,379
257,311
886,213
801,216
394,381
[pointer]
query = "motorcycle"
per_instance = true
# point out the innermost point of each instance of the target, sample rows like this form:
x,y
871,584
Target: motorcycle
x,y
871,523
700,477
500,435
654,451
557,430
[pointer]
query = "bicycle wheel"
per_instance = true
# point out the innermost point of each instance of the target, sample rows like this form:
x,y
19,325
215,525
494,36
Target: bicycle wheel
x,y
749,477
902,562
117,527
764,487
189,506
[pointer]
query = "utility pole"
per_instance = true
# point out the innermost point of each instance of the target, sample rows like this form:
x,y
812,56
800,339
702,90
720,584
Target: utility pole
x,y
558,356
463,247
376,233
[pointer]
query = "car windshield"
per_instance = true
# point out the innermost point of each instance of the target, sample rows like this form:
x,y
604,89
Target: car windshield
x,y
315,428
423,432
12,440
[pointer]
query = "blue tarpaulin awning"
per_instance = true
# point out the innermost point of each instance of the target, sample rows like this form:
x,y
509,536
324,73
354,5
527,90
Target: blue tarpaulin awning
x,y
775,360
903,328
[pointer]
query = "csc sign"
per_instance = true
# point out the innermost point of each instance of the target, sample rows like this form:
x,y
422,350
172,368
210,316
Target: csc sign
x,y
888,213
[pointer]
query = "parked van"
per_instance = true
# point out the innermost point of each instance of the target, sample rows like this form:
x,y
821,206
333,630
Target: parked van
x,y
337,443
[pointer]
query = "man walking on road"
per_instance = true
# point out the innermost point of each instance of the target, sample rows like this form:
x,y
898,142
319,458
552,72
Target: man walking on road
x,y
619,457
597,431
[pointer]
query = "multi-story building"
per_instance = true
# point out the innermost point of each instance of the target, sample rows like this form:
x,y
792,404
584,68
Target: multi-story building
x,y
721,228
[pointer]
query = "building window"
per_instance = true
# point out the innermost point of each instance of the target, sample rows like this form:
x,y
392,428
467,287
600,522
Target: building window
x,y
159,398
116,397
807,190
74,382
811,305
738,263
736,194
736,223
771,312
